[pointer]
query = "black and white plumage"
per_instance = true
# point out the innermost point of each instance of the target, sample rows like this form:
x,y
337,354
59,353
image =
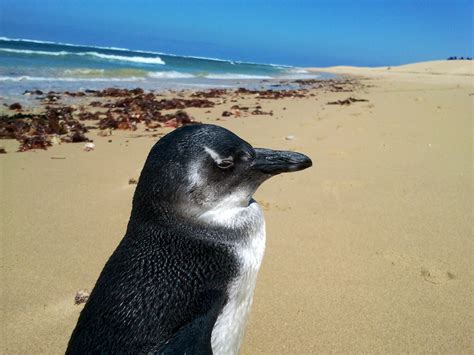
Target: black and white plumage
x,y
181,281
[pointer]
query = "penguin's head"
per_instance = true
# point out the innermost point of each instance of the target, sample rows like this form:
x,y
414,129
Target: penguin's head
x,y
200,168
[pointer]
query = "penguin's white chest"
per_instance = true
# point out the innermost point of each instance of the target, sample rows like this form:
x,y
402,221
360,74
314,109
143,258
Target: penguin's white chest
x,y
229,328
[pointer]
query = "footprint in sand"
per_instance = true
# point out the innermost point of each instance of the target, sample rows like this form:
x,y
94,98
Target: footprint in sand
x,y
426,275
436,277
434,274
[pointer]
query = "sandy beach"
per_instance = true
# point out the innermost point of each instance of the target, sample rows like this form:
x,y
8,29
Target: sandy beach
x,y
369,251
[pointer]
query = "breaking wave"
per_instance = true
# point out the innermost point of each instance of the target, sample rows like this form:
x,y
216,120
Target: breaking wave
x,y
67,79
121,49
170,75
111,57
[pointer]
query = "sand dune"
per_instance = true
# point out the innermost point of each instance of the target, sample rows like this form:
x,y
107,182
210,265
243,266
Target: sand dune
x,y
464,69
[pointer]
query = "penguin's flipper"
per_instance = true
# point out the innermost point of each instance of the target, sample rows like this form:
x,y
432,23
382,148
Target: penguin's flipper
x,y
194,338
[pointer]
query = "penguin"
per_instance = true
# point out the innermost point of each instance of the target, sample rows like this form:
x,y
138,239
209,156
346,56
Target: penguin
x,y
181,281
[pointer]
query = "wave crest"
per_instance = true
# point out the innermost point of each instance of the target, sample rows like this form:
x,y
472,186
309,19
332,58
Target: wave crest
x,y
67,79
170,75
112,57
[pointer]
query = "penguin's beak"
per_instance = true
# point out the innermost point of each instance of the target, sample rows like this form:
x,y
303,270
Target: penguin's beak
x,y
274,162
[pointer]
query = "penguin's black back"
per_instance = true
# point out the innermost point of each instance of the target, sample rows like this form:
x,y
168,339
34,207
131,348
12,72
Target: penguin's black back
x,y
159,292
163,288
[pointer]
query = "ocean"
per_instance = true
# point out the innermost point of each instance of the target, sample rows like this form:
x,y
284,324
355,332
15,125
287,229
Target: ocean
x,y
30,65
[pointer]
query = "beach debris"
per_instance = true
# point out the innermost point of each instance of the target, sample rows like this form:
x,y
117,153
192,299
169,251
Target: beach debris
x,y
75,137
339,88
55,140
15,106
75,94
274,94
86,115
32,92
257,111
2,150
132,181
152,124
310,81
126,124
51,97
145,108
290,137
245,91
34,142
95,104
347,101
81,297
239,111
115,92
237,107
108,123
12,127
126,109
89,146
208,94
105,132
178,119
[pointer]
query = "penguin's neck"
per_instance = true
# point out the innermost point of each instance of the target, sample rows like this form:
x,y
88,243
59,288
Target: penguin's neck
x,y
248,249
234,211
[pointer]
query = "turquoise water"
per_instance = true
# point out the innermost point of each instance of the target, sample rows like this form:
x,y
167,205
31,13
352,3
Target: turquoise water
x,y
27,65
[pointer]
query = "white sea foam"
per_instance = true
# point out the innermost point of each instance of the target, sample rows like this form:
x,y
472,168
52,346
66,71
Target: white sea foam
x,y
84,71
67,79
231,76
116,49
297,71
74,45
223,76
298,76
121,58
28,51
170,75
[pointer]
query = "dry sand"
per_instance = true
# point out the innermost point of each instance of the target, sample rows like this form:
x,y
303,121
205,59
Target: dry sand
x,y
435,72
368,251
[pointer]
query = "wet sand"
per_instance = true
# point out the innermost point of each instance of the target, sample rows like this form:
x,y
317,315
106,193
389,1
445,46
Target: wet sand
x,y
370,250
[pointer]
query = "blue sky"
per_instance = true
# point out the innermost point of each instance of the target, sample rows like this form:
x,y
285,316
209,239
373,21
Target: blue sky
x,y
295,32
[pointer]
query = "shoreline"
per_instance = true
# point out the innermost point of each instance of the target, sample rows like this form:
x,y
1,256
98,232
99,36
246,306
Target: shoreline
x,y
52,118
367,251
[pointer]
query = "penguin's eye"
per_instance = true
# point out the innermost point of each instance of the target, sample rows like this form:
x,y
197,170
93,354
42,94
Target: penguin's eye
x,y
225,164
